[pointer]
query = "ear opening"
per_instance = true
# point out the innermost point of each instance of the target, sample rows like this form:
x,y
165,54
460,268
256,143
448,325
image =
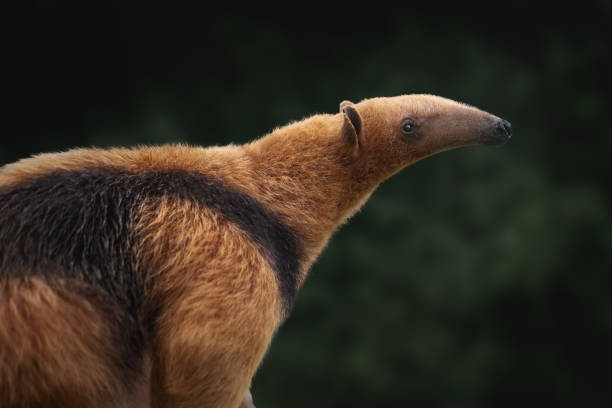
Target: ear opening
x,y
351,129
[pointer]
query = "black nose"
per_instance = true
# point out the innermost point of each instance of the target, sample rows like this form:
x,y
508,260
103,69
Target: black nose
x,y
497,132
504,128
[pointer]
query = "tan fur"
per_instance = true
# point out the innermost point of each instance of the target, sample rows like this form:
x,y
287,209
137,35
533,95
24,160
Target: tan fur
x,y
50,332
217,295
215,326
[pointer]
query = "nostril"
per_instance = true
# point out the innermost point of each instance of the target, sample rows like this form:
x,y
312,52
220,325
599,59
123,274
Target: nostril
x,y
504,127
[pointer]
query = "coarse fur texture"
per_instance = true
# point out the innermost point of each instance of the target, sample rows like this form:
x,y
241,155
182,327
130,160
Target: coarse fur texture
x,y
157,276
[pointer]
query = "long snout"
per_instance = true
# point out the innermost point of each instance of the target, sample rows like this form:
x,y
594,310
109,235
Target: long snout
x,y
452,125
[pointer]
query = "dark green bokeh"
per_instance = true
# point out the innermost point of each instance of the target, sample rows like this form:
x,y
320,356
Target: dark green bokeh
x,y
480,277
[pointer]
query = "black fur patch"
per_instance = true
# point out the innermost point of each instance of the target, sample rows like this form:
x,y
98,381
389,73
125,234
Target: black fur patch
x,y
79,225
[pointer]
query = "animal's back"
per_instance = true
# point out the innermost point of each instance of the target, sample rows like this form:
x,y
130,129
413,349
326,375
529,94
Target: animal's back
x,y
71,326
92,257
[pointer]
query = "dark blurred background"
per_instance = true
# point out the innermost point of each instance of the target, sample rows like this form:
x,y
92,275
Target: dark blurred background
x,y
479,277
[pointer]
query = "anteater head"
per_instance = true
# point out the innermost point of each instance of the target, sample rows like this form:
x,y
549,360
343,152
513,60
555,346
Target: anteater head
x,y
392,133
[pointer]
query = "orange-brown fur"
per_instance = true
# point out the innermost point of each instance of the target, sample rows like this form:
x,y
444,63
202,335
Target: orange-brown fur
x,y
215,326
48,331
216,294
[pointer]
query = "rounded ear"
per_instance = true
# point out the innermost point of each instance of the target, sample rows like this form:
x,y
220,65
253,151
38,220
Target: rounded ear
x,y
351,129
343,104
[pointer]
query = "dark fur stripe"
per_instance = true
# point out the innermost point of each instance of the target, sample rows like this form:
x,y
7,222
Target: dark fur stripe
x,y
79,225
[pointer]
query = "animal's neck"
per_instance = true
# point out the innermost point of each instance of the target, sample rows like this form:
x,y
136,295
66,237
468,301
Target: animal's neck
x,y
305,173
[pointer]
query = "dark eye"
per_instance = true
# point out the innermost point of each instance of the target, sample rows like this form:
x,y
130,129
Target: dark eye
x,y
409,127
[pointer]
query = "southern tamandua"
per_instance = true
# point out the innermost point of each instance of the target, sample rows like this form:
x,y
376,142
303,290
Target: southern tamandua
x,y
157,276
